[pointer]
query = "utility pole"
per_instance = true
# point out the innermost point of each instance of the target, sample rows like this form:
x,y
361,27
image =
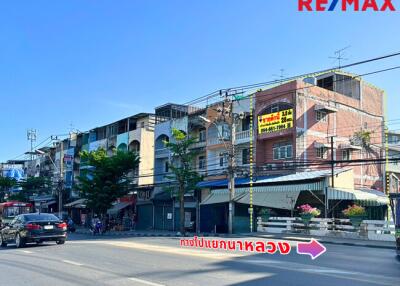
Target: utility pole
x,y
231,173
333,180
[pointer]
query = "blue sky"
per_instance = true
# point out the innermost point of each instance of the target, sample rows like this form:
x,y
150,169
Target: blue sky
x,y
88,63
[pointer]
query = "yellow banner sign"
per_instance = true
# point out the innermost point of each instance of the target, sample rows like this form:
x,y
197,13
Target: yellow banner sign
x,y
276,121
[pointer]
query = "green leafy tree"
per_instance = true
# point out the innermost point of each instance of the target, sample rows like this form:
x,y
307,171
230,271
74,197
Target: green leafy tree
x,y
184,178
107,178
5,184
32,186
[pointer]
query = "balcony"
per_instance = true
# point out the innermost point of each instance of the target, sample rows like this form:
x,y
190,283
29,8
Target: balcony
x,y
197,145
162,153
393,167
242,137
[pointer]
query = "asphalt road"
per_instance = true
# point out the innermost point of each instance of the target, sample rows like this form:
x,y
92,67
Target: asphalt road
x,y
161,261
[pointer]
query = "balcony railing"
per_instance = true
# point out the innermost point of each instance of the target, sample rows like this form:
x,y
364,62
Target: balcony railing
x,y
198,145
164,152
243,135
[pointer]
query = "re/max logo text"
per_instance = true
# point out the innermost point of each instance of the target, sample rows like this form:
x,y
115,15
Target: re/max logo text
x,y
346,5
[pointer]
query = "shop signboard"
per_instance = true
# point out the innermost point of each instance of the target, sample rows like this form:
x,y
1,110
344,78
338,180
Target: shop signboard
x,y
276,121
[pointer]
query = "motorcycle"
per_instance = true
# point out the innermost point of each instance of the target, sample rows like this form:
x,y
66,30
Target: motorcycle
x,y
97,228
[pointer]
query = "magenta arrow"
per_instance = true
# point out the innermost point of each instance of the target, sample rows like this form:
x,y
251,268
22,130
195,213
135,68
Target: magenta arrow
x,y
312,248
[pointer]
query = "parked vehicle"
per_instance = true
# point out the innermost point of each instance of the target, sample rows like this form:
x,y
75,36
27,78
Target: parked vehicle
x,y
395,203
33,227
9,210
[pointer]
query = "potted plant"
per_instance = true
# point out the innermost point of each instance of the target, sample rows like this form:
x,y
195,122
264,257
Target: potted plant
x,y
265,214
356,214
307,212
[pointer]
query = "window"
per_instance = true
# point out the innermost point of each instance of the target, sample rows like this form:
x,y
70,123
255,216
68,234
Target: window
x,y
326,83
202,135
166,167
346,155
142,124
202,162
282,151
222,159
320,116
274,108
322,152
246,124
246,156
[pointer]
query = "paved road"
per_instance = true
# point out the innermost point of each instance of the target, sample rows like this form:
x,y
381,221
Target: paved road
x,y
160,261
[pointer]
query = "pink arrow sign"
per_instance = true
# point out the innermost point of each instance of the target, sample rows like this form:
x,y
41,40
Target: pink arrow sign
x,y
312,248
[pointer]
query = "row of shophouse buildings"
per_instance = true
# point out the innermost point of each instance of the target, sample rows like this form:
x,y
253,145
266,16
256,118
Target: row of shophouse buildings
x,y
289,134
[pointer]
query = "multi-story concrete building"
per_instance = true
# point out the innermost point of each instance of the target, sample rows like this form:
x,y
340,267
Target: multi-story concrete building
x,y
393,168
331,105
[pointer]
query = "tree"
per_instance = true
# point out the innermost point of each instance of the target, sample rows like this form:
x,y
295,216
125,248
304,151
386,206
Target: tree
x,y
31,186
184,178
5,184
107,178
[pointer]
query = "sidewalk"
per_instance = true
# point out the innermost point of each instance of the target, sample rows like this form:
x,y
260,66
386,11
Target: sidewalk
x,y
290,237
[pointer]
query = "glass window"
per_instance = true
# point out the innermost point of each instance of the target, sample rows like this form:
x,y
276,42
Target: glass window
x,y
289,151
246,124
320,116
246,156
202,135
41,217
166,167
276,153
202,162
321,152
282,151
222,159
346,155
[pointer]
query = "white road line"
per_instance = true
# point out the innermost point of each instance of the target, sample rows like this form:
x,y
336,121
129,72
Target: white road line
x,y
145,282
72,262
26,251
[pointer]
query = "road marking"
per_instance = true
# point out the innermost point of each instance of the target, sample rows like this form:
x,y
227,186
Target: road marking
x,y
26,251
72,262
145,282
289,266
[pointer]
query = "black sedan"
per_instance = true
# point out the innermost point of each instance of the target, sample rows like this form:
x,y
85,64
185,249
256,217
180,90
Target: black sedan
x,y
33,227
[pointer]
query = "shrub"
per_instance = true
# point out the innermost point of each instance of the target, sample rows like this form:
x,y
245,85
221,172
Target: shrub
x,y
307,209
354,210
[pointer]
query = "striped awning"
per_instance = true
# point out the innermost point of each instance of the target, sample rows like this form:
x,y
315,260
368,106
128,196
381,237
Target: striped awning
x,y
364,197
277,196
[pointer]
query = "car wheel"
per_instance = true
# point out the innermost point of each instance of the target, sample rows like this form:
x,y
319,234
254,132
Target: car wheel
x,y
61,241
2,242
19,241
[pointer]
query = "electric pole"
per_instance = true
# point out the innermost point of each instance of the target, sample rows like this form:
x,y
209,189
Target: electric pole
x,y
231,174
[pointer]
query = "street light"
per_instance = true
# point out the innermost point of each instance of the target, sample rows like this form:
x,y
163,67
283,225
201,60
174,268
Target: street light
x,y
59,183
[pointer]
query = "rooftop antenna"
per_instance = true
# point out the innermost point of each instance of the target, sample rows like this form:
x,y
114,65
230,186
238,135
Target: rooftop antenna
x,y
31,136
281,76
339,56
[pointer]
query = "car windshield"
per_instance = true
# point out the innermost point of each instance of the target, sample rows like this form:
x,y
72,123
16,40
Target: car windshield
x,y
40,217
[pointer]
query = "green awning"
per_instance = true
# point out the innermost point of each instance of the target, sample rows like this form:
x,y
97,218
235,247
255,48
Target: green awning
x,y
364,197
278,196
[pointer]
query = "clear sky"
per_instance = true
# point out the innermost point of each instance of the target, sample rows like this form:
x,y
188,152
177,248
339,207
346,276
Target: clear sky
x,y
88,63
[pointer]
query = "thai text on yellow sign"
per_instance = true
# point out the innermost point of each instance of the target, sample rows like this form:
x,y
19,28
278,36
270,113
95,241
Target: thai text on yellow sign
x,y
276,121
